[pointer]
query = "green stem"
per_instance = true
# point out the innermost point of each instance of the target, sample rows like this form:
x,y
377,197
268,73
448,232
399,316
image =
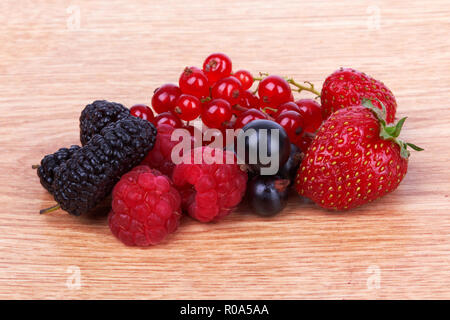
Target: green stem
x,y
390,131
301,87
51,209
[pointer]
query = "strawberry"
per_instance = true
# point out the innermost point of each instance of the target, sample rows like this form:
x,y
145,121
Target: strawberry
x,y
354,159
346,87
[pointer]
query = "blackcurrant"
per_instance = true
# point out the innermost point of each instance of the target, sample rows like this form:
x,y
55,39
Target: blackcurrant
x,y
268,195
266,146
289,169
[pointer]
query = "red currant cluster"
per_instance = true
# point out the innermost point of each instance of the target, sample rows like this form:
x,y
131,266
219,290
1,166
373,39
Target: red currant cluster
x,y
225,100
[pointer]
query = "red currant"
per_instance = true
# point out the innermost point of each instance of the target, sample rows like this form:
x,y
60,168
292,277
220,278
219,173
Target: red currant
x,y
247,117
168,118
165,98
247,101
195,133
194,82
312,113
142,111
273,91
216,113
287,106
188,107
217,66
293,123
245,77
229,89
305,142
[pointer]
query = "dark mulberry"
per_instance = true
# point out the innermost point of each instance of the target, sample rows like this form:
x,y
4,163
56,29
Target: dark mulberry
x,y
90,174
98,115
50,163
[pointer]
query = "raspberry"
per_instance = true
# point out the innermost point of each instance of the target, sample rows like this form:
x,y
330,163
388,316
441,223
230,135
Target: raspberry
x,y
145,207
209,191
159,157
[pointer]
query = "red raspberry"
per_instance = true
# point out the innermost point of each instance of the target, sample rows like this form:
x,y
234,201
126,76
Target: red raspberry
x,y
209,191
145,207
160,157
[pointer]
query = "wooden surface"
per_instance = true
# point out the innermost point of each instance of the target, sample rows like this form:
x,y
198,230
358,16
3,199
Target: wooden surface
x,y
122,50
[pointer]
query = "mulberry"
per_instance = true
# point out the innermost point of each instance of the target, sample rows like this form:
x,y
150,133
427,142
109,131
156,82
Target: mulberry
x,y
98,115
88,177
50,163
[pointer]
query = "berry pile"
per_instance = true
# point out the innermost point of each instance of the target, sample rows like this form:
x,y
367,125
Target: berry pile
x,y
223,99
341,153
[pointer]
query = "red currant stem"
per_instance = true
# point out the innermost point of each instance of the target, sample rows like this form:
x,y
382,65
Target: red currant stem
x,y
256,90
269,108
238,107
47,210
205,99
281,184
267,115
35,166
301,87
226,124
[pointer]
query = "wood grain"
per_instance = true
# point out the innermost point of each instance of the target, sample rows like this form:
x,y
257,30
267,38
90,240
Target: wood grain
x,y
124,50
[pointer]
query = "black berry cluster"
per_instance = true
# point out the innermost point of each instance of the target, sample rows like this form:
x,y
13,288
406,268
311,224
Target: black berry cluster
x,y
85,179
98,115
50,164
113,143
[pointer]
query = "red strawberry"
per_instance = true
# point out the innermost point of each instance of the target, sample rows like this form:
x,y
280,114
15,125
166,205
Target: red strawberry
x,y
346,87
354,159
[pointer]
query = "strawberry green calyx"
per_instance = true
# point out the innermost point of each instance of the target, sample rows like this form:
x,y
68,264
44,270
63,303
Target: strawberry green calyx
x,y
390,132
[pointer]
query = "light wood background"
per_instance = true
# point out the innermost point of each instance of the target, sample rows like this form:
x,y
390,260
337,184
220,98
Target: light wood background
x,y
50,69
